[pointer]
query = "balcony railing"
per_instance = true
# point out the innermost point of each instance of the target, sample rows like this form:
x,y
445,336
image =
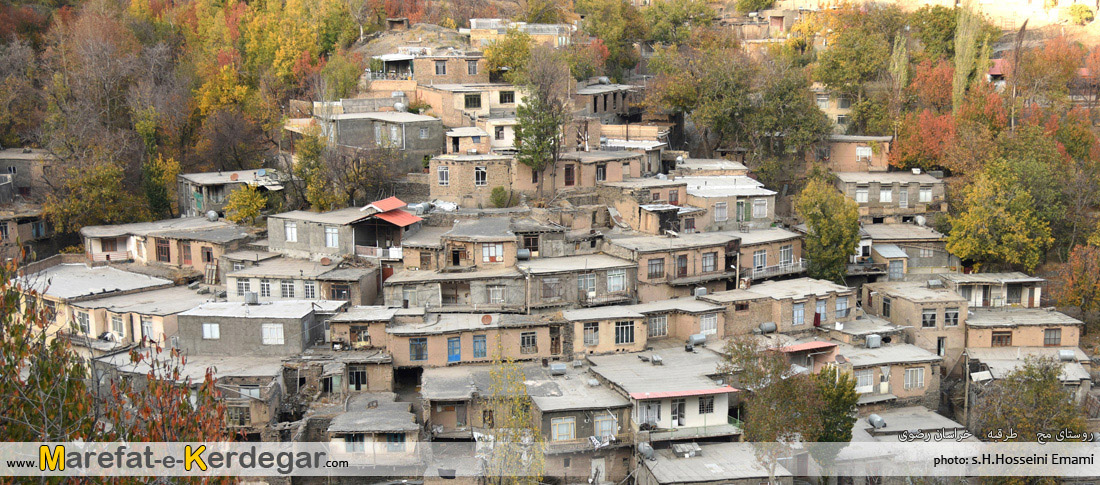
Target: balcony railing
x,y
380,253
796,266
110,256
586,444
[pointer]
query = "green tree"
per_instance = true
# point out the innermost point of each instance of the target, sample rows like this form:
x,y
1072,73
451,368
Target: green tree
x,y
786,119
517,457
341,74
94,196
245,204
508,56
838,410
310,169
1000,224
618,25
1029,400
671,21
934,27
832,229
968,28
500,197
545,109
854,58
158,179
746,6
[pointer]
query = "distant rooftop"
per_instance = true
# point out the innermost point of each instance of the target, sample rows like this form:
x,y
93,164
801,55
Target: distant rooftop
x,y
341,217
681,305
859,138
76,280
725,186
887,354
195,366
426,237
645,183
990,278
374,412
600,156
916,291
384,116
900,232
194,228
910,418
262,175
439,323
765,236
422,276
573,263
886,177
634,144
284,267
716,463
1001,361
366,314
267,309
645,244
25,154
682,374
167,301
1015,317
709,164
603,88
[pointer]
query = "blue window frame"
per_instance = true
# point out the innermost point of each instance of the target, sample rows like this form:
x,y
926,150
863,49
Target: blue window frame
x,y
479,346
454,349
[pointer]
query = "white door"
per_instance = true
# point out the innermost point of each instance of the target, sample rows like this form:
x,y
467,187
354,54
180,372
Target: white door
x,y
599,471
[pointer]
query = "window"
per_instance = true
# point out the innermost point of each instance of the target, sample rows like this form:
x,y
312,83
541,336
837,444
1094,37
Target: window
x,y
592,333
786,254
291,230
864,380
237,266
721,212
265,288
759,259
1001,339
444,176
819,311
475,140
395,442
243,286
83,322
681,266
843,103
38,229
492,253
507,97
740,307
106,245
418,349
272,333
357,442
239,416
408,295
658,326
841,307
498,132
951,317
473,101
601,172
185,249
861,196
147,328
570,175
759,208
286,288
481,175
710,262
842,119
914,378
528,343
13,170
616,280
551,288
471,68
479,346
656,268
604,425
207,255
926,252
440,68
708,324
656,196
689,225
586,283
624,332
310,288
340,292
925,195
395,133
116,326
885,307
249,391
211,331
1052,337
885,195
706,404
563,429
332,237
424,134
674,197
863,153
823,101
164,254
531,243
928,318
496,295
798,314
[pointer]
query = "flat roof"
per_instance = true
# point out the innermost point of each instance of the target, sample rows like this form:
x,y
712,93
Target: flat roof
x,y
267,309
603,88
455,383
644,244
464,131
700,164
372,313
644,183
916,291
469,87
421,276
900,232
859,138
341,217
250,255
426,237
438,323
195,366
482,229
574,390
481,157
75,280
374,412
886,177
25,154
270,175
1015,317
1003,360
725,186
797,288
866,325
682,305
594,156
180,228
995,278
386,116
634,144
167,301
909,418
573,263
717,462
765,236
885,355
284,267
682,374
730,296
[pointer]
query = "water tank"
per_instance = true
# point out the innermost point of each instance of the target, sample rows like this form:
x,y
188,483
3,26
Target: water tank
x,y
662,176
603,80
212,216
767,327
657,360
399,106
876,421
523,254
646,450
1067,355
874,341
701,291
697,339
557,369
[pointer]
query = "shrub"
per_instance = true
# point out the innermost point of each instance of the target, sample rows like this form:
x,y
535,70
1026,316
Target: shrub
x,y
1080,14
500,197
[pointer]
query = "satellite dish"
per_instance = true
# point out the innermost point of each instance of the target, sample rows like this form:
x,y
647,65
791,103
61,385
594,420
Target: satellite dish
x,y
233,176
921,220
486,319
325,261
399,106
261,172
212,216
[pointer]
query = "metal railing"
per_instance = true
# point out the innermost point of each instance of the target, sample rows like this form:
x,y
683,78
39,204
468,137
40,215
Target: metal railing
x,y
796,266
381,253
110,256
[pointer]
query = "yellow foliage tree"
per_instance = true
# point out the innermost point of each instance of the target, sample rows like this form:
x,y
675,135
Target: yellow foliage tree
x,y
245,204
224,89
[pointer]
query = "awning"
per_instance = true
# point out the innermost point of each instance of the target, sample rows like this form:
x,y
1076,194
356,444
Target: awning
x,y
332,368
399,218
385,205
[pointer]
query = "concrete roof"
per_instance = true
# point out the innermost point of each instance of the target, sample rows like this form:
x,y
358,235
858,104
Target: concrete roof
x,y
455,382
718,462
1003,360
634,144
250,255
886,177
386,415
603,88
481,157
182,228
438,323
866,325
682,372
692,164
24,154
994,278
916,291
346,274
195,366
645,183
386,116
571,391
910,418
646,244
167,301
682,305
594,156
887,354
366,314
1014,317
797,288
482,229
764,236
725,186
469,87
887,232
426,237
340,217
889,251
428,276
601,313
680,209
858,138
573,263
68,281
284,268
221,178
730,296
267,309
464,131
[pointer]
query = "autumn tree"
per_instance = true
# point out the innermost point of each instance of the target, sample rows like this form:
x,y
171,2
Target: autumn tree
x,y
671,21
854,57
924,140
1078,281
746,6
544,11
618,25
20,101
93,196
934,26
586,59
1000,224
967,29
832,229
785,119
1029,400
508,56
545,109
312,173
245,204
517,457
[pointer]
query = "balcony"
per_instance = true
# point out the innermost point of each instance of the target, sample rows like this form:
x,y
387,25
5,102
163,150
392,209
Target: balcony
x,y
110,256
796,266
378,253
866,268
586,444
606,298
695,432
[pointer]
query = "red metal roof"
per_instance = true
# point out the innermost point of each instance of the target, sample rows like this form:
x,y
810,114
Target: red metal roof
x,y
388,204
998,67
807,346
664,394
399,217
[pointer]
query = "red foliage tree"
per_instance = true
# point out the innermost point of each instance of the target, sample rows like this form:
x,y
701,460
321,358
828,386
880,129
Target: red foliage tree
x,y
924,140
932,85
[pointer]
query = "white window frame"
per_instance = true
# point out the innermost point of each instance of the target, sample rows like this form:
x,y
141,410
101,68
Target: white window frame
x,y
924,195
948,321
914,378
928,315
244,285
903,198
709,262
563,429
591,333
492,252
586,282
496,295
885,194
265,288
864,152
272,334
290,230
211,331
84,322
841,306
861,195
927,253
786,254
424,134
286,289
798,313
760,259
332,237
658,326
310,290
481,173
624,332
759,208
865,380
444,176
616,280
708,324
117,326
